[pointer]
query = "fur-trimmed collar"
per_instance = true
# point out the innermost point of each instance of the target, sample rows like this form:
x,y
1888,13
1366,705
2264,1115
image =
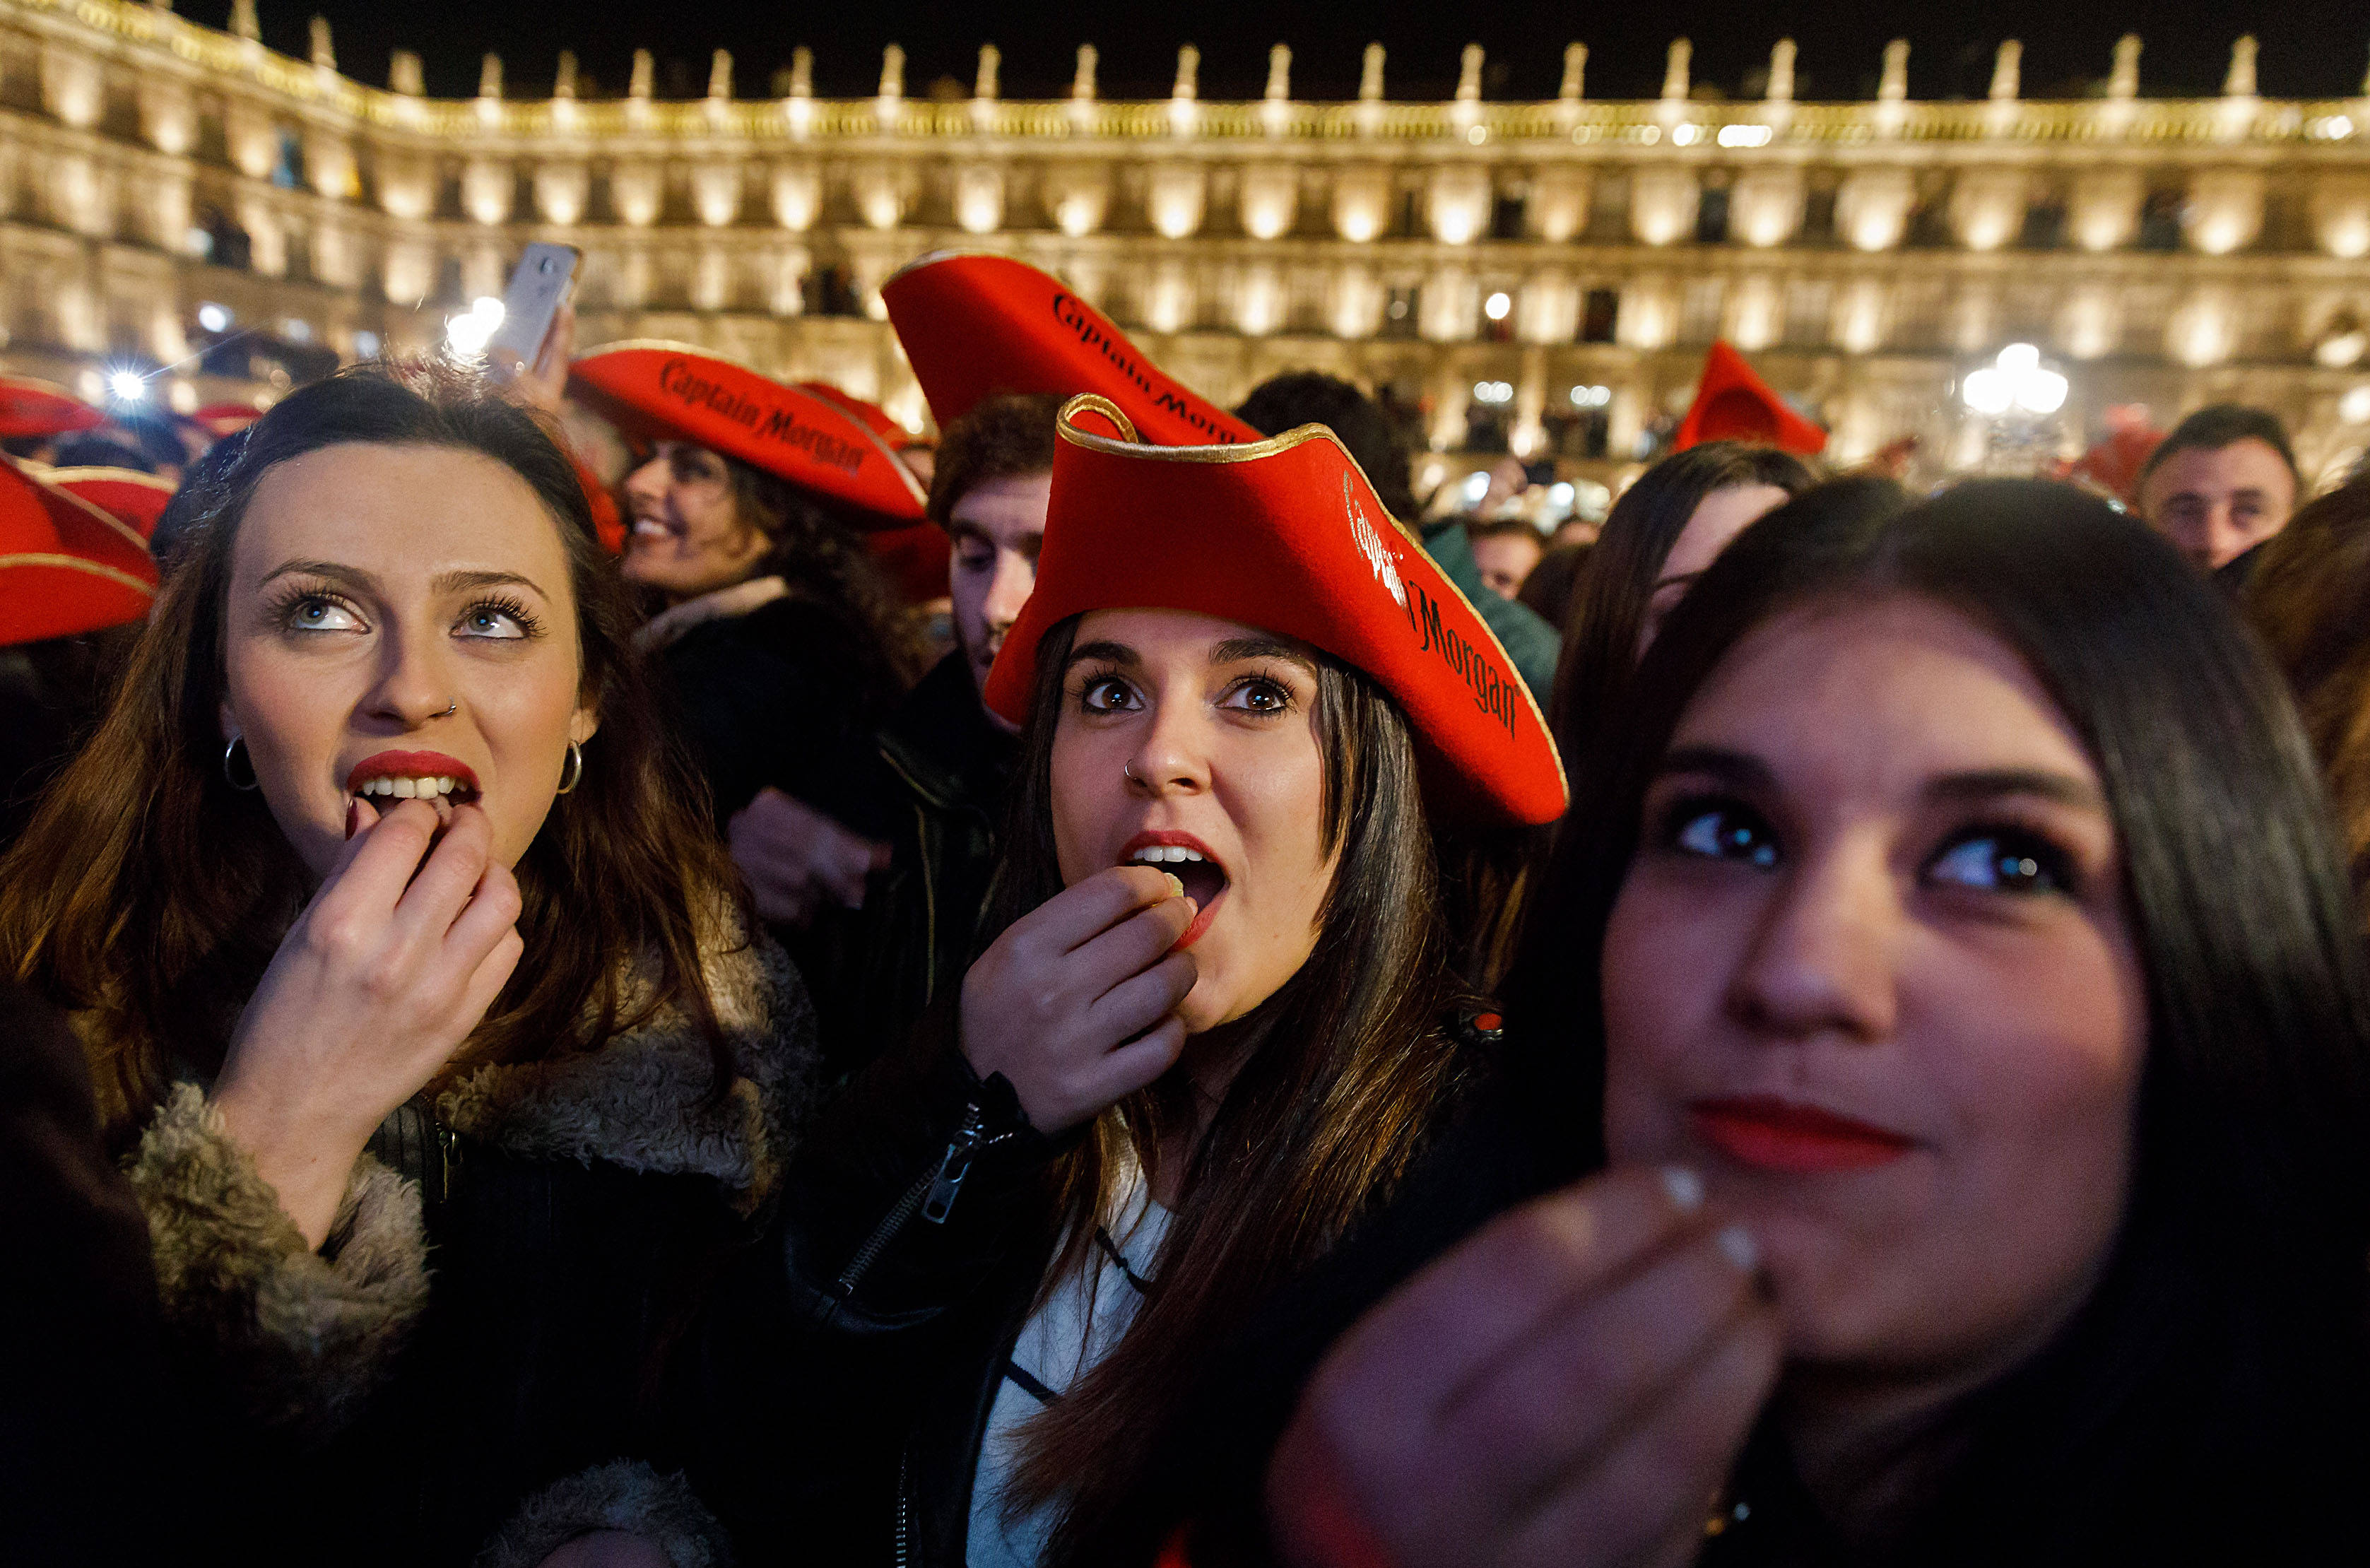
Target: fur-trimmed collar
x,y
645,1101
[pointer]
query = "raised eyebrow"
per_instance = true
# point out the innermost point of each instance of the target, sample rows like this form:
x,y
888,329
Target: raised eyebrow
x,y
1989,783
462,582
1234,650
348,576
1739,770
1117,653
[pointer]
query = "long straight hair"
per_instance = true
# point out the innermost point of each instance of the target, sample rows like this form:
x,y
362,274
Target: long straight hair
x,y
1608,603
1350,1067
2210,1394
151,892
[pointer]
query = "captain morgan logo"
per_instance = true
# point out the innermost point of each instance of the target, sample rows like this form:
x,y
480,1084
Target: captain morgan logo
x,y
1370,544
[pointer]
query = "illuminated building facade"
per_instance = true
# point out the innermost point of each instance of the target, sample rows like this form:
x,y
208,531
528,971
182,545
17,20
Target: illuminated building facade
x,y
1538,276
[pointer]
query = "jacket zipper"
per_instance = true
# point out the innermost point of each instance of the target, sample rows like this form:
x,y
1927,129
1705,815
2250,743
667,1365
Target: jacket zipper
x,y
882,1234
933,1193
904,1506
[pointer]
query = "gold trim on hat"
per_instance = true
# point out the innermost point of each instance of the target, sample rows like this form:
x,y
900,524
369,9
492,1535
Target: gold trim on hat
x,y
42,481
669,345
75,563
1246,452
99,471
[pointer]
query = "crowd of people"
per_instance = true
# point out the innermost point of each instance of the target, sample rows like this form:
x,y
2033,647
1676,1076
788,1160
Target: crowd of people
x,y
1105,989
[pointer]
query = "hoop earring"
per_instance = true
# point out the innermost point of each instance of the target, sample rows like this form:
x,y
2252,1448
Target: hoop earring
x,y
575,768
232,778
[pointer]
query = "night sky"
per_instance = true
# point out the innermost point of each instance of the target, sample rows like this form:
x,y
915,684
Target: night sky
x,y
2310,48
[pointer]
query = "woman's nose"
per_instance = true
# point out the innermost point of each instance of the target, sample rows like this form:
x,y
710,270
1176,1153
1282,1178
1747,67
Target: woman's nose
x,y
1169,758
647,482
413,687
1823,956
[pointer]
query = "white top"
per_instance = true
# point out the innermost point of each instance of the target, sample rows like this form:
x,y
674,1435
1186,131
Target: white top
x,y
1061,1342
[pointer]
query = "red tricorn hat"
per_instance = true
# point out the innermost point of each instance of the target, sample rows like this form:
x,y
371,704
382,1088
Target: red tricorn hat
x,y
131,498
974,326
671,391
1734,404
878,419
30,407
65,565
1285,535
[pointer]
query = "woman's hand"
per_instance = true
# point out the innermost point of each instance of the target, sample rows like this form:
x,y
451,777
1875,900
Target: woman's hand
x,y
1569,1385
1075,1004
372,991
543,384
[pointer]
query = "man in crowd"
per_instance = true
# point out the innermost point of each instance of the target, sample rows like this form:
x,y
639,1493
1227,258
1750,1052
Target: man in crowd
x,y
1506,551
896,891
2223,482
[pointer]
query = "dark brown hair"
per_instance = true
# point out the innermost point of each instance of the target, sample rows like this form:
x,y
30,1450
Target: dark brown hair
x,y
2206,1404
152,894
1609,600
1350,1068
2218,425
1001,438
2309,597
823,560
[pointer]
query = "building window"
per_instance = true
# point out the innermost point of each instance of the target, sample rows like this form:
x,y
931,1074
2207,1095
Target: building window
x,y
1402,311
1600,313
1506,218
1712,216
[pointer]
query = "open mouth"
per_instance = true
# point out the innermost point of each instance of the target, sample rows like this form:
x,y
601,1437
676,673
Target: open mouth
x,y
443,781
1190,860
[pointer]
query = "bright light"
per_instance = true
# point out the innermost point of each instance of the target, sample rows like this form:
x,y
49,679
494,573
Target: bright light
x,y
126,385
214,317
1590,397
1745,135
1686,136
2354,406
1987,391
366,345
2014,380
1559,494
296,330
1494,392
468,334
1476,485
1498,306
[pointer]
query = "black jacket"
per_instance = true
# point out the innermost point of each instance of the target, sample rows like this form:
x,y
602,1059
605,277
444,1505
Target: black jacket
x,y
887,1333
931,786
779,695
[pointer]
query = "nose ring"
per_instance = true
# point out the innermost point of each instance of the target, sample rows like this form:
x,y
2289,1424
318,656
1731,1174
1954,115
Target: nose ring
x,y
452,710
1127,773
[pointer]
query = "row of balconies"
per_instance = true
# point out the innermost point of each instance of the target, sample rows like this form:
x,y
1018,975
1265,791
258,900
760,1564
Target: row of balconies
x,y
1869,207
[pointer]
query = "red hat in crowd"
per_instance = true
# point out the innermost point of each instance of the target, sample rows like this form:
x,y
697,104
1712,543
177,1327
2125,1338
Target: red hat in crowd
x,y
1734,404
671,391
220,420
1288,536
974,326
30,407
876,418
131,498
65,565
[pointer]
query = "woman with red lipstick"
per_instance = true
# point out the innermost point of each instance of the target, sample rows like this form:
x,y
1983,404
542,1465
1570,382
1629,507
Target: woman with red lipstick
x,y
389,931
1209,1031
1979,1034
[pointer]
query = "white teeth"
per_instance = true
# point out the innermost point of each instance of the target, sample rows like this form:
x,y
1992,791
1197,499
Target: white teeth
x,y
1172,854
392,788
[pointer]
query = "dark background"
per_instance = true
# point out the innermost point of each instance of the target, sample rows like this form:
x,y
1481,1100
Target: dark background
x,y
2310,48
